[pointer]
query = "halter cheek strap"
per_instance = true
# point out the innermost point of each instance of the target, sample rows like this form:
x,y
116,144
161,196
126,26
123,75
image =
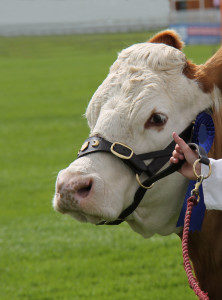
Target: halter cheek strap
x,y
136,164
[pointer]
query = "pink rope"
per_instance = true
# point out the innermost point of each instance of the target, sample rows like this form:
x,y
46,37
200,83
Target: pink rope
x,y
186,261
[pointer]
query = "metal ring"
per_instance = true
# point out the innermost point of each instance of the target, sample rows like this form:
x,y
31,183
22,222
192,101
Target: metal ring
x,y
121,155
143,186
195,173
95,143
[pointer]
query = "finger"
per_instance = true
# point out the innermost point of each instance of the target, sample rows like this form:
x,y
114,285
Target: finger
x,y
183,145
176,154
181,157
178,149
174,160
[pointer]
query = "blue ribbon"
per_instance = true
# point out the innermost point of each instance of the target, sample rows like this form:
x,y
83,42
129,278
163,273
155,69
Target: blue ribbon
x,y
203,135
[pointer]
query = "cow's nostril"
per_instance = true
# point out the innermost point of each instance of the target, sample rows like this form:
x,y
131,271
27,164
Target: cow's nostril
x,y
84,191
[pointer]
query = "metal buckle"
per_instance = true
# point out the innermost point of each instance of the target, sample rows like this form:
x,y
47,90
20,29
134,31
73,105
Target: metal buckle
x,y
143,186
195,192
121,155
199,176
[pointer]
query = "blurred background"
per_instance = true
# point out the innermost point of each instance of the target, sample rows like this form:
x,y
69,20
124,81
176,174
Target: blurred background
x,y
53,56
198,21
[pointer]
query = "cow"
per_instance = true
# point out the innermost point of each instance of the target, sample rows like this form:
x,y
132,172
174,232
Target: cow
x,y
151,90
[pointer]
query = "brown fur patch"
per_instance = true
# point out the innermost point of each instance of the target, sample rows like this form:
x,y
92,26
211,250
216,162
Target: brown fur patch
x,y
190,70
210,73
207,75
216,150
168,37
193,71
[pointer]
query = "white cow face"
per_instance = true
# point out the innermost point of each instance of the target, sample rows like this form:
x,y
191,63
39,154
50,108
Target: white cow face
x,y
144,98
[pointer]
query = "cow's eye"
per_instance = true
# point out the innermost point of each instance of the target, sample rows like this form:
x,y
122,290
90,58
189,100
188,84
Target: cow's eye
x,y
156,119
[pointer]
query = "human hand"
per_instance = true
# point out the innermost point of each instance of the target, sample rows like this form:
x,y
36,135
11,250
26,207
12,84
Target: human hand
x,y
183,151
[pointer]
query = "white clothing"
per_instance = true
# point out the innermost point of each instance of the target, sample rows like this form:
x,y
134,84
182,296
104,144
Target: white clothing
x,y
212,186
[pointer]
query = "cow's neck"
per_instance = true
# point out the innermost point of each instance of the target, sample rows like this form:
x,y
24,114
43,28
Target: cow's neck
x,y
160,207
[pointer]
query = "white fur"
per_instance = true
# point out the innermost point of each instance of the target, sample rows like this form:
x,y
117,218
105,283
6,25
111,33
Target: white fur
x,y
145,77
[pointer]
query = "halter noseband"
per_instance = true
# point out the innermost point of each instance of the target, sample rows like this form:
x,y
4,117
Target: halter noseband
x,y
136,163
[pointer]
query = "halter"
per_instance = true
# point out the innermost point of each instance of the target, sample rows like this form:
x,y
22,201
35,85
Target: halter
x,y
136,163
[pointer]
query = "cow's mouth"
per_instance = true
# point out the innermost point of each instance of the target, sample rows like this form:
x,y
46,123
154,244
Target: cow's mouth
x,y
78,215
66,207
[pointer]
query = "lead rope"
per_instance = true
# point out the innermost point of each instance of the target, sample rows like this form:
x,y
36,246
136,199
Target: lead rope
x,y
186,261
191,202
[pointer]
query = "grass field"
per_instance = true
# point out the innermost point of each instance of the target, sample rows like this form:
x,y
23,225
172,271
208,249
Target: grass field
x,y
46,83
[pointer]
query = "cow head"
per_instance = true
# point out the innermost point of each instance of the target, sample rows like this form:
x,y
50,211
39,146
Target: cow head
x,y
150,91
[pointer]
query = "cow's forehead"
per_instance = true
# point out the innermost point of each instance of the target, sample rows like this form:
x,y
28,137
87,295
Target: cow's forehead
x,y
156,57
142,70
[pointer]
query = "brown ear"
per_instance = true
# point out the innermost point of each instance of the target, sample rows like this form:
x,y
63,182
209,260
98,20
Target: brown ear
x,y
207,75
168,37
210,74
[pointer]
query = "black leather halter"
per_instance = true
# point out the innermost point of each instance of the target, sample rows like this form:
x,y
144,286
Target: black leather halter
x,y
136,163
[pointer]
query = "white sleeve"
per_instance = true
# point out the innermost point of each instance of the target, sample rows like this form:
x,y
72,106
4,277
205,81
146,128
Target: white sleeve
x,y
212,186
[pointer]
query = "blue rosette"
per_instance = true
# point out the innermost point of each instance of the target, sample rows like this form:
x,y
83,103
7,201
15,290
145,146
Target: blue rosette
x,y
203,135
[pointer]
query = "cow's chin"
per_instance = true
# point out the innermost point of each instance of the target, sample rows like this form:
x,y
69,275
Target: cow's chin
x,y
91,213
85,218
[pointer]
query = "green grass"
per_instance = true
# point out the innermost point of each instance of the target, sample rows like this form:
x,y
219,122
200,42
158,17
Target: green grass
x,y
45,85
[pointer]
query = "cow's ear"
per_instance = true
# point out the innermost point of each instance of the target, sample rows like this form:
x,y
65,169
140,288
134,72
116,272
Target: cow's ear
x,y
168,37
210,74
